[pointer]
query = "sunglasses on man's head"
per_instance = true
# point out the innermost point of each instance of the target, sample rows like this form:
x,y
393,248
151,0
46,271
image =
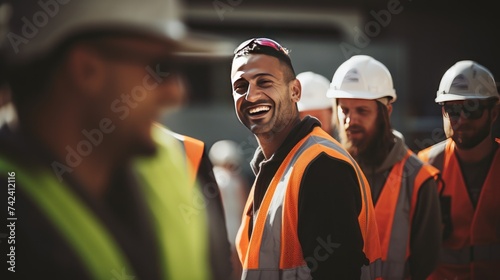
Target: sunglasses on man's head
x,y
470,110
261,42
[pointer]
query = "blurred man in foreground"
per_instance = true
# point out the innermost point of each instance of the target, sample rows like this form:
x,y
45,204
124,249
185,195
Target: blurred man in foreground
x,y
99,191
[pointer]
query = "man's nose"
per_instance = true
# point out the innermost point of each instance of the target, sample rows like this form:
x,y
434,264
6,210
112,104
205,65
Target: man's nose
x,y
253,93
351,119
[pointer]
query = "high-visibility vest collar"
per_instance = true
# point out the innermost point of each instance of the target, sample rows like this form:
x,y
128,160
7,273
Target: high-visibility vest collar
x,y
273,251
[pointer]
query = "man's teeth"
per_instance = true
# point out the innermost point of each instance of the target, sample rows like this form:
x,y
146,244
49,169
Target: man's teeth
x,y
259,109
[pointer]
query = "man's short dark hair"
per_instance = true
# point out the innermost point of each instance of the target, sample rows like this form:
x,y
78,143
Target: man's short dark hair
x,y
253,47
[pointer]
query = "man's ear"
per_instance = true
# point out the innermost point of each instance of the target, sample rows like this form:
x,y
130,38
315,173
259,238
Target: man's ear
x,y
86,70
389,109
495,111
448,131
295,90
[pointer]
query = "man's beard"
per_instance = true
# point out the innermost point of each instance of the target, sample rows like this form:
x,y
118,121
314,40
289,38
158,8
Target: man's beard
x,y
370,149
466,142
356,147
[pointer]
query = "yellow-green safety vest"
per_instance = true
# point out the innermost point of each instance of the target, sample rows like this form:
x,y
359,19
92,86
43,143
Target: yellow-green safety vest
x,y
179,224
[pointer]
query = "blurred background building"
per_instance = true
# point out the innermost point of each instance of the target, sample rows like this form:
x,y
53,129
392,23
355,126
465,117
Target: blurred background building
x,y
417,41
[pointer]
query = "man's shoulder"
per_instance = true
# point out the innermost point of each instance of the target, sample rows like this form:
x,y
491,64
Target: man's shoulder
x,y
326,150
329,164
422,169
438,147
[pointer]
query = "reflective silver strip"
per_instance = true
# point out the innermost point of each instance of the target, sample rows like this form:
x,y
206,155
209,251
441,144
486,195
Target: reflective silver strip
x,y
395,265
270,249
297,273
469,254
436,155
372,271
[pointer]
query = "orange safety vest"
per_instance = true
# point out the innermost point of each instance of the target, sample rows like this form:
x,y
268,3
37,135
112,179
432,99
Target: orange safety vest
x,y
473,249
193,150
276,221
394,212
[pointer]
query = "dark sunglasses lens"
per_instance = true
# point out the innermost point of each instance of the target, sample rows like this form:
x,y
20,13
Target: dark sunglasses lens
x,y
454,111
474,114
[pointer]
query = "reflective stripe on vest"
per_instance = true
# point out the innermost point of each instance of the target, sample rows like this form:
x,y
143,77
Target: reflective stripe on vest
x,y
472,250
180,236
94,245
274,251
434,156
395,210
193,150
372,271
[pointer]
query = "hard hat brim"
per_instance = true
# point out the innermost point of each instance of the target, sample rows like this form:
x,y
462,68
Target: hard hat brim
x,y
158,20
203,46
333,93
459,97
313,106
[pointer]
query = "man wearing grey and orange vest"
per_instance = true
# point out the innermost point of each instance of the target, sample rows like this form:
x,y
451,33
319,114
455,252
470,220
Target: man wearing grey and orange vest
x,y
97,191
308,214
469,161
404,189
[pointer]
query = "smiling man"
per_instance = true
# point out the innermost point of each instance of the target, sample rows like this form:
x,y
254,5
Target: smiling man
x,y
301,217
403,188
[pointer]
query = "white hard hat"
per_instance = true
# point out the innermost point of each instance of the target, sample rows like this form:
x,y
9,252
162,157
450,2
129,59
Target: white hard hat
x,y
362,77
38,27
226,152
466,80
314,88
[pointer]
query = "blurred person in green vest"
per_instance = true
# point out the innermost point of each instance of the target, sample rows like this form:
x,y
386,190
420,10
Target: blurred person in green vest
x,y
96,190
